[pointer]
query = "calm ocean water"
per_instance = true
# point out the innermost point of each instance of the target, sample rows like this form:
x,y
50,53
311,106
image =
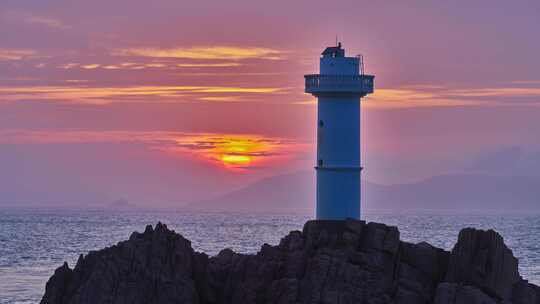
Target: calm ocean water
x,y
35,242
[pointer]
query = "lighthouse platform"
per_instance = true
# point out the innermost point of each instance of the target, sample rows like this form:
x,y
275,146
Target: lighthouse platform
x,y
359,85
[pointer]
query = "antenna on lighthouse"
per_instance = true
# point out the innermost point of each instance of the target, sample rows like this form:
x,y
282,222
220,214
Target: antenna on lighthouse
x,y
361,60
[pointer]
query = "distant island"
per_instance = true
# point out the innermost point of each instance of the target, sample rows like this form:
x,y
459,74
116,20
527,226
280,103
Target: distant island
x,y
120,204
328,262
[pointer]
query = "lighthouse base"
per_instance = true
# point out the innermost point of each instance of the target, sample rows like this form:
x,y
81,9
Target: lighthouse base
x,y
338,193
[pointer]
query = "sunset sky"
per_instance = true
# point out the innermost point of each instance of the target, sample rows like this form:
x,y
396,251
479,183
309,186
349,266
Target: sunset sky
x,y
167,102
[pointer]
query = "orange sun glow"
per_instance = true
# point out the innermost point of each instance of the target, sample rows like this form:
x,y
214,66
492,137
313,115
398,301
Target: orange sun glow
x,y
232,151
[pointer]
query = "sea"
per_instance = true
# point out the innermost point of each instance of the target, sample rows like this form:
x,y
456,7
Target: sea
x,y
34,242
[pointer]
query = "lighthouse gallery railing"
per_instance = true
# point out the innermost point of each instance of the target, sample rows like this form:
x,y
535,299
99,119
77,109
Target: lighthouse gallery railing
x,y
362,84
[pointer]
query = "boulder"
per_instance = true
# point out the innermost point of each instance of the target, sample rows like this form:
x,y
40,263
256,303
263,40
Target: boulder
x,y
153,267
327,262
481,259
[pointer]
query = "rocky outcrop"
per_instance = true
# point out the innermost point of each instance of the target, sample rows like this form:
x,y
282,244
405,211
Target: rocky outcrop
x,y
481,259
327,262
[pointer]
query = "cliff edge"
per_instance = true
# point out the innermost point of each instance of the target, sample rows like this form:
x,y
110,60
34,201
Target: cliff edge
x,y
327,262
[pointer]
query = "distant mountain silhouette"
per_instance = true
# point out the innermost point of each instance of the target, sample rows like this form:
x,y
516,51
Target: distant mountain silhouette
x,y
294,191
445,193
458,193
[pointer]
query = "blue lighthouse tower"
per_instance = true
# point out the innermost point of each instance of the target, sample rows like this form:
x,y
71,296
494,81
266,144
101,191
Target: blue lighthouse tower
x,y
339,87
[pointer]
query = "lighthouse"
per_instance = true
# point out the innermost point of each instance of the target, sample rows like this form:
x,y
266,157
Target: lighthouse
x,y
338,88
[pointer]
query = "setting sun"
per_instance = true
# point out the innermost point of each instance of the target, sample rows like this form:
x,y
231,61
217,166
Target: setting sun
x,y
237,151
228,159
233,151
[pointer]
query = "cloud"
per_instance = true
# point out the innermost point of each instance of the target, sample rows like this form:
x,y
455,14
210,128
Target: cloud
x,y
44,21
418,96
208,65
16,54
222,98
105,95
408,97
140,66
15,16
496,92
155,65
111,67
239,90
90,66
214,52
68,66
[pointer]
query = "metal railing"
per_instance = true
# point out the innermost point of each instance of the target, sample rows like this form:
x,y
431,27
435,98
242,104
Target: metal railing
x,y
360,84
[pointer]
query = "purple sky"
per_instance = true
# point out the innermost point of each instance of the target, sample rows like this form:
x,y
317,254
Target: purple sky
x,y
168,102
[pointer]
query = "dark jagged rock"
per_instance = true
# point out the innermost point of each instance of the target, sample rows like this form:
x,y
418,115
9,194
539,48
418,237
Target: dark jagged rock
x,y
480,258
328,262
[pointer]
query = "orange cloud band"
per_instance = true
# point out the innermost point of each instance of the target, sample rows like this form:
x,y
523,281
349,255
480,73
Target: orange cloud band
x,y
213,52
